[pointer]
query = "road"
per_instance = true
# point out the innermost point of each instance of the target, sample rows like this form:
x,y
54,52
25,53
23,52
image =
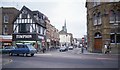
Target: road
x,y
68,59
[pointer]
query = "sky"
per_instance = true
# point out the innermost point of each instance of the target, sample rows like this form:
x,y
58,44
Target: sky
x,y
57,11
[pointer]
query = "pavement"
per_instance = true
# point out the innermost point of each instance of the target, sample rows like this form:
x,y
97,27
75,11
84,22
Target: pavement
x,y
78,51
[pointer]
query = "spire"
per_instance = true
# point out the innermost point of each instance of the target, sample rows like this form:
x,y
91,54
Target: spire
x,y
65,23
65,28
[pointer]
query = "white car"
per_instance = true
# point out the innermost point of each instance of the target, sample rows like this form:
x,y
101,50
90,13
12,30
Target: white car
x,y
70,47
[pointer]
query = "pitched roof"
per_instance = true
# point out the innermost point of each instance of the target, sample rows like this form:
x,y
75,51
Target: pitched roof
x,y
31,13
62,32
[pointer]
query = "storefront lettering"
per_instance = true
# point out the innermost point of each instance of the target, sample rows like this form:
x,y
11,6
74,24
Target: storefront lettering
x,y
23,36
40,37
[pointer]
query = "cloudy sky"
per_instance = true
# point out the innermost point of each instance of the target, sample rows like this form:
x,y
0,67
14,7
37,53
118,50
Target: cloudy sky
x,y
73,11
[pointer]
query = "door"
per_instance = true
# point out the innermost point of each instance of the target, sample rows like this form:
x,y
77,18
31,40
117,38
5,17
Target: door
x,y
98,44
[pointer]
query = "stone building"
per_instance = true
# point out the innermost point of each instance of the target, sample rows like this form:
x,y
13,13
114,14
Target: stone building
x,y
103,25
7,15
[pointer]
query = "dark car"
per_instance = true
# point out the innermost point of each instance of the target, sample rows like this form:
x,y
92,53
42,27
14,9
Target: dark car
x,y
23,49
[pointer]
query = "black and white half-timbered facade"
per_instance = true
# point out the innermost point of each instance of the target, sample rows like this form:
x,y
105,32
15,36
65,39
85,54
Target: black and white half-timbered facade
x,y
30,27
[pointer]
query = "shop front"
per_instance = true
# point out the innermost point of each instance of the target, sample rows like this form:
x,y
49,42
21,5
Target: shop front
x,y
5,40
33,39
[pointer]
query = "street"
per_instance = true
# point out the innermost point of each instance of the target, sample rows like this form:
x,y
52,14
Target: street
x,y
68,59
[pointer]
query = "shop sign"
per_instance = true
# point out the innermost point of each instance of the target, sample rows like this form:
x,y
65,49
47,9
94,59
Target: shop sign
x,y
40,37
23,36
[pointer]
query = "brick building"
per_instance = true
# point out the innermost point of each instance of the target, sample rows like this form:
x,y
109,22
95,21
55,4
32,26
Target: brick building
x,y
7,15
52,36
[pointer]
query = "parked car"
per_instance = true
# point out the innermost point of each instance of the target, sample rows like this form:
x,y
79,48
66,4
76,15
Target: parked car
x,y
70,47
23,49
63,48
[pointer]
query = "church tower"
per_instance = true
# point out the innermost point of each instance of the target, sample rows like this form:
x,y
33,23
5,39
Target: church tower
x,y
64,28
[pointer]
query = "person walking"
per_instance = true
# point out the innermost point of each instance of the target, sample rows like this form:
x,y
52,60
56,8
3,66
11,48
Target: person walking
x,y
108,48
43,49
105,48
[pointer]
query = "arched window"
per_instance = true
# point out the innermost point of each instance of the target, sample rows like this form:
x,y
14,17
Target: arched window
x,y
97,35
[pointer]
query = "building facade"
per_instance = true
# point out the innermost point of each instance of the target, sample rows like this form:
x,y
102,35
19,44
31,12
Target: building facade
x,y
103,26
52,36
30,27
7,15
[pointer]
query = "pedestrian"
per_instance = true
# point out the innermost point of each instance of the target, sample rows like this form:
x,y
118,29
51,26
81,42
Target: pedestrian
x,y
43,49
108,48
105,48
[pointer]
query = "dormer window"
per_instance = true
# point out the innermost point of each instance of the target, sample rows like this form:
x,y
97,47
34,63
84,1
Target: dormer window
x,y
24,14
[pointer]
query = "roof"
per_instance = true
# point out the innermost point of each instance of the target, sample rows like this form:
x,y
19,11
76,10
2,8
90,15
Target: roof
x,y
62,32
7,8
32,15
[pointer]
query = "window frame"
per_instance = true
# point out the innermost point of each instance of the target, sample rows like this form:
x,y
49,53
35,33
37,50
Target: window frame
x,y
6,18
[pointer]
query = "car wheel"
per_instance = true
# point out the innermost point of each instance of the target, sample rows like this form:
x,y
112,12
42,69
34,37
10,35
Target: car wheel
x,y
32,54
17,54
26,54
